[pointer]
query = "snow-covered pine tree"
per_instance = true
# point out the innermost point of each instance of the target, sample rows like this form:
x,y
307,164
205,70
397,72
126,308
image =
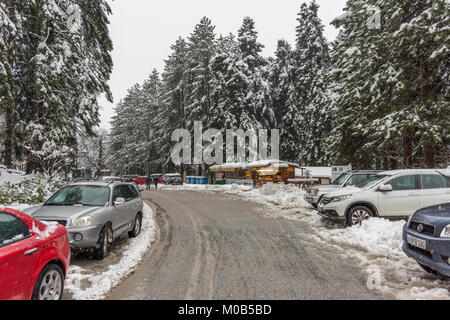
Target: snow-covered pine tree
x,y
61,65
241,91
390,85
173,101
201,48
312,62
7,58
282,91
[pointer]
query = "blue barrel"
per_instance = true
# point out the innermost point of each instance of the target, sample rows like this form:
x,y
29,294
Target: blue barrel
x,y
204,180
189,180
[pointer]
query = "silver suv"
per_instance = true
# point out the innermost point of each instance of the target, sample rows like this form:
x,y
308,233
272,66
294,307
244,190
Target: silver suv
x,y
352,178
94,214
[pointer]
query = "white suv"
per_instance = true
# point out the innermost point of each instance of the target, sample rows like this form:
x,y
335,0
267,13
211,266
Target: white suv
x,y
389,194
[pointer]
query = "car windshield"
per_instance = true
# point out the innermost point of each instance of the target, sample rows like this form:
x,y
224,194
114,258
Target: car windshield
x,y
173,177
80,195
340,180
371,181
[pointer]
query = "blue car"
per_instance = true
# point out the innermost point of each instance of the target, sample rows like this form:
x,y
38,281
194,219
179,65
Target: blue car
x,y
426,239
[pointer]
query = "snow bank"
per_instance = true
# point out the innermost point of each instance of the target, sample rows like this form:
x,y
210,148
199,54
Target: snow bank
x,y
102,283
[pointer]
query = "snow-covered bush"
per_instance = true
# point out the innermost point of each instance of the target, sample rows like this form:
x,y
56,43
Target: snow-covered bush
x,y
32,189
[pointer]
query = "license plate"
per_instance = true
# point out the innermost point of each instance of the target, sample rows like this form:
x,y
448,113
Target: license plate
x,y
416,242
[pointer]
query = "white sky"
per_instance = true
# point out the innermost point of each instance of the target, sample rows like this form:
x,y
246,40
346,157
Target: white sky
x,y
143,30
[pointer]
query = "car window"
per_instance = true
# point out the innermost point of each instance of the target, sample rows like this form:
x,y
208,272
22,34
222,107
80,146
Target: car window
x,y
85,195
12,229
403,183
356,179
118,193
126,192
134,192
433,181
340,180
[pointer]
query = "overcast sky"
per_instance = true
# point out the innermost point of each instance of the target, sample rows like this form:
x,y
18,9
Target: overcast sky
x,y
143,30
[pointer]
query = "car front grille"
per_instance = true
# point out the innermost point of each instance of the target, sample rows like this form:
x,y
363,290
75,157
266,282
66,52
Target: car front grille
x,y
422,228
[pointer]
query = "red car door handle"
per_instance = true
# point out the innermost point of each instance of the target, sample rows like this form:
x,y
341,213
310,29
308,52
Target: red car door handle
x,y
30,251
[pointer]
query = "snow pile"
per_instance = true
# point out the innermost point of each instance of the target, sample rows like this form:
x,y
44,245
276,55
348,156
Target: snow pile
x,y
102,283
14,177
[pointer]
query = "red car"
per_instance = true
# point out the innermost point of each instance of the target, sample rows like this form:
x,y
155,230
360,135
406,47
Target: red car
x,y
34,257
140,180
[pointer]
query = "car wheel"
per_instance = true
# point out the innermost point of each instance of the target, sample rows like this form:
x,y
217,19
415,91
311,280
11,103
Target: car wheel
x,y
50,284
137,226
357,215
101,250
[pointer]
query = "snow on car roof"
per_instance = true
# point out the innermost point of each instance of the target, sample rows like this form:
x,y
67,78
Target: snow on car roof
x,y
414,171
172,174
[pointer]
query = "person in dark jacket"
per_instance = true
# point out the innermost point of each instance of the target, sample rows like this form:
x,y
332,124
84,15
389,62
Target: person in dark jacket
x,y
156,182
149,182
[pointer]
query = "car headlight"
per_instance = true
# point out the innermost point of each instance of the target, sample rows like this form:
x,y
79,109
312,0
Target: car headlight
x,y
314,191
446,232
341,198
83,222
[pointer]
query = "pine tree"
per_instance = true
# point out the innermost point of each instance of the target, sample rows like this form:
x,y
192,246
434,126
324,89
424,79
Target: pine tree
x,y
312,64
201,48
282,88
389,85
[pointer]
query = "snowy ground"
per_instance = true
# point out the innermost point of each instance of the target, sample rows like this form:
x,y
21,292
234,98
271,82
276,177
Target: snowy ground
x,y
376,245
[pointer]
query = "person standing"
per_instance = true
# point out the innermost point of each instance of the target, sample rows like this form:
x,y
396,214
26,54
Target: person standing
x,y
149,182
156,183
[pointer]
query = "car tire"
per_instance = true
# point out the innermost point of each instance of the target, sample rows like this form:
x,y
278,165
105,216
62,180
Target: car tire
x,y
358,214
50,284
137,226
101,250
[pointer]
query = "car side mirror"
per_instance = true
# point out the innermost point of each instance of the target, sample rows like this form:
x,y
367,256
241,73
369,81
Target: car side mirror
x,y
119,201
385,188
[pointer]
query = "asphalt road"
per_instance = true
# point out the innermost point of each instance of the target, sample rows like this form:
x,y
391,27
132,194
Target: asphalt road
x,y
212,246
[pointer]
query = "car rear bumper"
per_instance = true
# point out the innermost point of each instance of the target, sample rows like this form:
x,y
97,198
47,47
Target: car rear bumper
x,y
89,235
435,255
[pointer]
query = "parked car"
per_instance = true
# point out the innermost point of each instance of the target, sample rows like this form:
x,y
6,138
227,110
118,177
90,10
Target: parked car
x,y
110,179
94,214
140,180
426,238
391,194
34,258
172,179
315,193
129,177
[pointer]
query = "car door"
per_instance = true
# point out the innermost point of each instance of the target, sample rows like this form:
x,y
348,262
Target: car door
x,y
434,189
128,209
19,254
135,203
403,200
119,210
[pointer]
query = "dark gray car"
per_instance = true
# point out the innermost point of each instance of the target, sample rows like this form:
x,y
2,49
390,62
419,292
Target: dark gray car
x,y
94,213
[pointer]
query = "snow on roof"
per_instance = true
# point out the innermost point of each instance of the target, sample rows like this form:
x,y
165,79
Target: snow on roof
x,y
229,165
273,163
319,172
